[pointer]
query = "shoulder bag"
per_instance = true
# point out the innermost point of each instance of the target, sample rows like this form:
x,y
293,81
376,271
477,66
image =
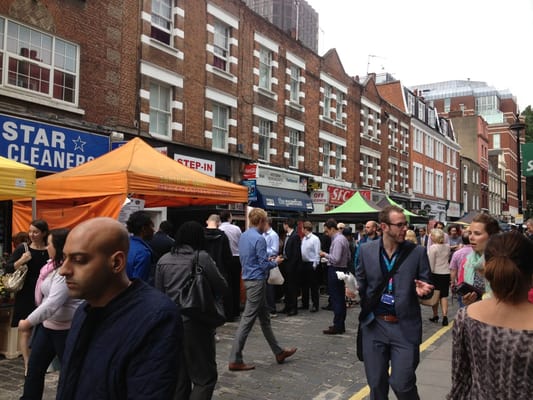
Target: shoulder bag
x,y
197,300
275,277
14,281
373,302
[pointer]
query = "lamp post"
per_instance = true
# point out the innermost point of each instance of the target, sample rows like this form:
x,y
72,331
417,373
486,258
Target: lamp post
x,y
517,126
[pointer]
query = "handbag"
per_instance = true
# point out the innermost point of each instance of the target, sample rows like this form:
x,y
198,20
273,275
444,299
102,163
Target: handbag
x,y
14,281
433,300
197,300
275,277
367,308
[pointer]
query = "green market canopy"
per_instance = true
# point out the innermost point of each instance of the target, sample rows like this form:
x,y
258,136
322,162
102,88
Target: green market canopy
x,y
411,216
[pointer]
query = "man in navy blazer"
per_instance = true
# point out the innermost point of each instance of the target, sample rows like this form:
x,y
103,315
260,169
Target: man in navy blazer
x,y
392,331
290,267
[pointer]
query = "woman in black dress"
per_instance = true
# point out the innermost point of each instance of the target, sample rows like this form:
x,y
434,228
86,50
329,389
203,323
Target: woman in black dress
x,y
35,258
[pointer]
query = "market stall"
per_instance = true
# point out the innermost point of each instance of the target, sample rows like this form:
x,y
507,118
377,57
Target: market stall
x,y
101,186
355,209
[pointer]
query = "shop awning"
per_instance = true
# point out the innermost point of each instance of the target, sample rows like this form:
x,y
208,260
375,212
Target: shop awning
x,y
271,198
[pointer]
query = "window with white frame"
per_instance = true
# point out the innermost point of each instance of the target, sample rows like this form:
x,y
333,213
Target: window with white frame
x,y
404,178
465,173
326,111
447,103
430,182
221,47
448,186
417,178
295,84
418,141
448,156
431,117
454,158
393,176
393,132
496,141
439,185
294,139
454,187
411,103
338,162
404,138
339,107
265,68
421,111
473,176
439,154
369,170
465,201
326,149
37,62
430,146
487,104
265,127
220,127
161,29
160,109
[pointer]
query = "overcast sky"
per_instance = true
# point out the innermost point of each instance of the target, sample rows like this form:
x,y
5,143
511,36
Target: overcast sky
x,y
425,41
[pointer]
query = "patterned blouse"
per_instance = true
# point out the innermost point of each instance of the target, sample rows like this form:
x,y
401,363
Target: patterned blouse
x,y
490,362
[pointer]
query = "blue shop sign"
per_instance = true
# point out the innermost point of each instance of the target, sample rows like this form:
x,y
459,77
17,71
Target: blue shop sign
x,y
48,147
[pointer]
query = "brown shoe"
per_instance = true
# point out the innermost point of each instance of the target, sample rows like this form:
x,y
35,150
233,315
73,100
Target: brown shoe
x,y
286,353
333,331
240,366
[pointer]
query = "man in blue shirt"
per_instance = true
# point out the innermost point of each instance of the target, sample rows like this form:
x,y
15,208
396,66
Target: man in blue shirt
x,y
140,261
255,269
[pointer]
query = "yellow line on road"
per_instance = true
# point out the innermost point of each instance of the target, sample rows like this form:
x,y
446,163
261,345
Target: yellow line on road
x,y
361,394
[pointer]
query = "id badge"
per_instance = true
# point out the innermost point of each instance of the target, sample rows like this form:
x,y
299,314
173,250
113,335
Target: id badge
x,y
387,298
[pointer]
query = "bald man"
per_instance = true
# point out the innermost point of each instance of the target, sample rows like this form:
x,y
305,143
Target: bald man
x,y
125,338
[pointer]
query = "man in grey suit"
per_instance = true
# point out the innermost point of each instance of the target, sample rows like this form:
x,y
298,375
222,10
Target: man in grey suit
x,y
392,330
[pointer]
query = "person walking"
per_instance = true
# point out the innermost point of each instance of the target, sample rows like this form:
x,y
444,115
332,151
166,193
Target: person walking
x,y
140,256
198,373
51,319
439,254
492,354
35,256
391,320
338,259
310,259
290,267
125,338
233,232
256,265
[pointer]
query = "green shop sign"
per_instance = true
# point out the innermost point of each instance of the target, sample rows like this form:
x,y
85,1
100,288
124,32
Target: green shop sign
x,y
527,159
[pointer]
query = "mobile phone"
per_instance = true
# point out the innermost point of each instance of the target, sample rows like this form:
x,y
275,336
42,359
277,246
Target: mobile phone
x,y
464,288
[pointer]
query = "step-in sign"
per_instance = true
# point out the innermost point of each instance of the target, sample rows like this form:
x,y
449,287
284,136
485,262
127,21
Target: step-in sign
x,y
527,159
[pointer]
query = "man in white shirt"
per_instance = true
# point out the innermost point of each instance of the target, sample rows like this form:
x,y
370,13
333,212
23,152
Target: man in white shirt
x,y
272,239
233,232
310,260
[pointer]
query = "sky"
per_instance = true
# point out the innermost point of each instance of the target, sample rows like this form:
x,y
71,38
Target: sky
x,y
427,41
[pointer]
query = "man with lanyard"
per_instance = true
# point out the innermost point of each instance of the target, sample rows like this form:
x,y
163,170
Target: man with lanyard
x,y
391,323
338,259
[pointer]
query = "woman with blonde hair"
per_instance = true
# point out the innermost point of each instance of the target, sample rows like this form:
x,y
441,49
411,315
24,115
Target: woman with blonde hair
x,y
439,254
411,236
492,339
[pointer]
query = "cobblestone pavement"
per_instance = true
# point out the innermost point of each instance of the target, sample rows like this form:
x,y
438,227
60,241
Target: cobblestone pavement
x,y
323,368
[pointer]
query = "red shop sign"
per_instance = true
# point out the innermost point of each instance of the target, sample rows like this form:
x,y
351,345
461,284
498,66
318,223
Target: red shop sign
x,y
250,171
338,196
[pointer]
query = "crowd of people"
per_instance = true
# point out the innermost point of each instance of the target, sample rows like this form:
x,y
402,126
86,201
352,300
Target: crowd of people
x,y
102,299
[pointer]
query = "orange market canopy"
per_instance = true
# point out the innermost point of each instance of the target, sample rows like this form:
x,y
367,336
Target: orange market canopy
x,y
16,180
101,186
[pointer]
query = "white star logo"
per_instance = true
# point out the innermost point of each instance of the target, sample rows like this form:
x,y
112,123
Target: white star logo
x,y
78,144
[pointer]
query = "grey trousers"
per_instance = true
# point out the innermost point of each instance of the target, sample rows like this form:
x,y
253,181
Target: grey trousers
x,y
256,307
383,342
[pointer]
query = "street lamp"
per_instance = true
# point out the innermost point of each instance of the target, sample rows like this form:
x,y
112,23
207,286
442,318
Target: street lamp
x,y
517,126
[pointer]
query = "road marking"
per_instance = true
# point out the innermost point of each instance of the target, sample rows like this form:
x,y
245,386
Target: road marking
x,y
361,394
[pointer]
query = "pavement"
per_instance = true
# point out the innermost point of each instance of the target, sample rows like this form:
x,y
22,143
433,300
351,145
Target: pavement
x,y
324,367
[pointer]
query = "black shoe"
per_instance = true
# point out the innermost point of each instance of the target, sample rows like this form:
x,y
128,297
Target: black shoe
x,y
444,321
291,313
329,308
436,319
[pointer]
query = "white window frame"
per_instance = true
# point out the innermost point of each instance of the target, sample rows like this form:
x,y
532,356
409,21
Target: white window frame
x,y
162,19
496,141
429,179
439,154
439,185
221,46
454,187
294,142
338,162
430,146
265,127
295,84
411,103
447,104
265,68
220,130
465,201
421,111
160,116
465,173
418,141
326,112
417,178
326,148
339,106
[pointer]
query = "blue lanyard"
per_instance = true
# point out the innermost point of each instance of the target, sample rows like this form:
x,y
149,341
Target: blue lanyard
x,y
389,265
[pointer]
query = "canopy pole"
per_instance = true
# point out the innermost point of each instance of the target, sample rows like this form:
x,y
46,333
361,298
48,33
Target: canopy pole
x,y
33,208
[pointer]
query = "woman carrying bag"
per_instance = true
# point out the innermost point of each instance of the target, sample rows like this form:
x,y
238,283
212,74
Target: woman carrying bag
x,y
198,368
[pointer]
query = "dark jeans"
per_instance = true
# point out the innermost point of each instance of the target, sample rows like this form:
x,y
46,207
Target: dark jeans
x,y
197,374
234,283
291,285
309,281
45,345
338,298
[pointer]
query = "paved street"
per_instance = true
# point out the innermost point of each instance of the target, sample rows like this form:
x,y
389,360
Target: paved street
x,y
324,368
